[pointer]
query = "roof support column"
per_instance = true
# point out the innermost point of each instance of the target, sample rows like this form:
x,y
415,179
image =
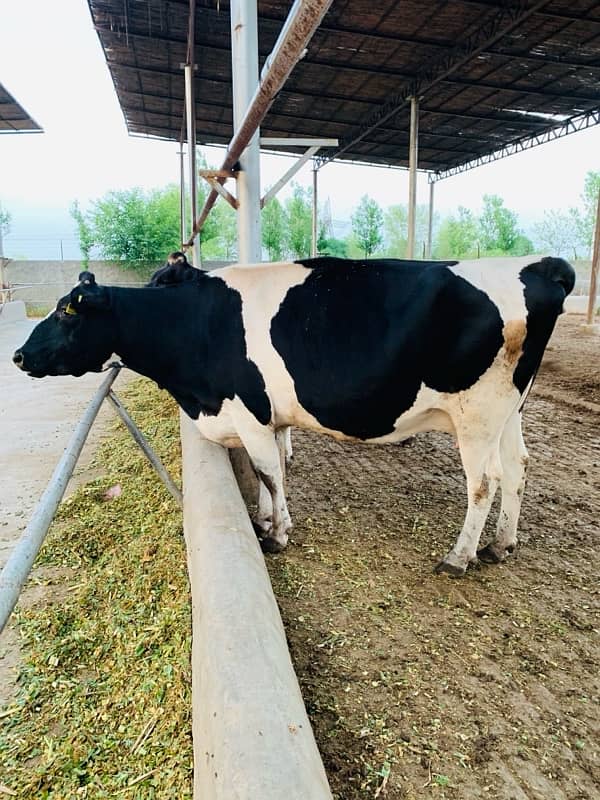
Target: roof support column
x,y
190,113
595,268
181,192
244,62
413,158
430,220
313,248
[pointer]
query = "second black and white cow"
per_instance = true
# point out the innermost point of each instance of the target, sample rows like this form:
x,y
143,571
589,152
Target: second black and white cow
x,y
370,351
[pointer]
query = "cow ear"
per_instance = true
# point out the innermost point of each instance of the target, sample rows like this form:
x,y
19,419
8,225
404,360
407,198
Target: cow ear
x,y
89,295
87,278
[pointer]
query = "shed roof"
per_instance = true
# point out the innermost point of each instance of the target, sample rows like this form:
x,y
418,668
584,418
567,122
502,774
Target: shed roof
x,y
493,77
13,117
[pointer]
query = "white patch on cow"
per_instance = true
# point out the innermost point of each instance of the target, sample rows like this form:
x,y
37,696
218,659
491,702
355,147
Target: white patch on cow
x,y
499,279
263,288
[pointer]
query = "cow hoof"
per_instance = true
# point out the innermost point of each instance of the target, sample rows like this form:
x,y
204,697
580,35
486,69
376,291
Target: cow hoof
x,y
454,570
269,545
261,531
490,555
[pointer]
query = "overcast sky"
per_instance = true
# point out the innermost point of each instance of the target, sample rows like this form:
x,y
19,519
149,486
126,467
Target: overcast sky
x,y
52,62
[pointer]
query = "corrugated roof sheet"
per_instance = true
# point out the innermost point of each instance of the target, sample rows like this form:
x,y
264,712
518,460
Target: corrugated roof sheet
x,y
491,75
13,117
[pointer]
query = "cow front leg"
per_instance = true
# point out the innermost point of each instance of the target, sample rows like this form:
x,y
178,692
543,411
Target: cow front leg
x,y
262,448
513,455
481,462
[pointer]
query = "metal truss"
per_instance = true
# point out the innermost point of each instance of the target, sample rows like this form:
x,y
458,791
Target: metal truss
x,y
572,125
508,17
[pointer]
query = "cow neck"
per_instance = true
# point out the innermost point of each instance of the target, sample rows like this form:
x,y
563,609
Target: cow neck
x,y
162,334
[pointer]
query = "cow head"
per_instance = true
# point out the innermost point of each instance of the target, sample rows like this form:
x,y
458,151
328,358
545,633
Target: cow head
x,y
77,337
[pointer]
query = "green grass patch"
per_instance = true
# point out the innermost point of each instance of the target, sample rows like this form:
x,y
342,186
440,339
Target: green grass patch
x,y
104,701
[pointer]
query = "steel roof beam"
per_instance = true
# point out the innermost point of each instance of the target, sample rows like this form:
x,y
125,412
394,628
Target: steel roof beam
x,y
504,22
304,18
571,125
521,121
465,83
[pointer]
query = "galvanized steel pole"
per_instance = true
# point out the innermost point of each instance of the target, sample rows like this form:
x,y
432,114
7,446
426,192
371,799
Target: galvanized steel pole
x,y
314,213
142,443
181,192
413,159
21,559
595,268
244,63
430,220
190,112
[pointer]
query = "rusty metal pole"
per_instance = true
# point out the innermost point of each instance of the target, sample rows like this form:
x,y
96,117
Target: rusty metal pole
x,y
313,250
413,159
304,18
190,111
595,268
244,63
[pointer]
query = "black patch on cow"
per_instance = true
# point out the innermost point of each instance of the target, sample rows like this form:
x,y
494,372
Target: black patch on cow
x,y
331,262
359,341
547,283
190,340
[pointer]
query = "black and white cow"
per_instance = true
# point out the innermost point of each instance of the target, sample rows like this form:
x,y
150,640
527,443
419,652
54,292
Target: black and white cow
x,y
370,351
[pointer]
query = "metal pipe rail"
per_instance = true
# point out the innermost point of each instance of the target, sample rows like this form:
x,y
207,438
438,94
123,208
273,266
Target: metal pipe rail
x,y
20,562
21,559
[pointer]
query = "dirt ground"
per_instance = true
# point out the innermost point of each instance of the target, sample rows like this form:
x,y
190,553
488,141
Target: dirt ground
x,y
421,685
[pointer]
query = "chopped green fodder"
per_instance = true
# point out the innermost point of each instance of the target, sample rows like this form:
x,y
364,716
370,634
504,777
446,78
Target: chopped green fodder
x,y
104,701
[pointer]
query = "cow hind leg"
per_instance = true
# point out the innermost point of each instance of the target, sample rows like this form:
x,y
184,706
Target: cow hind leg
x,y
513,455
262,447
263,520
483,469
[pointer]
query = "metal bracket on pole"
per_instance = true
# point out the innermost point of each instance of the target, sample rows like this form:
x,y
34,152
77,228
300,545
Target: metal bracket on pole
x,y
288,175
314,145
220,189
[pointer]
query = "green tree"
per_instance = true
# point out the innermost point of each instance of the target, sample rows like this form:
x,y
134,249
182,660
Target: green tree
x,y
84,231
498,229
558,233
5,219
458,235
299,215
132,225
274,229
224,244
367,225
332,247
585,219
395,223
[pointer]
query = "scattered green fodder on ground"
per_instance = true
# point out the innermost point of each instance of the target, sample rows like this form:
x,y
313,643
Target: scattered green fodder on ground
x,y
103,707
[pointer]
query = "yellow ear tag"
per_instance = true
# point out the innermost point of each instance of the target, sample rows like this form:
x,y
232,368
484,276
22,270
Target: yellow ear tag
x,y
69,309
80,298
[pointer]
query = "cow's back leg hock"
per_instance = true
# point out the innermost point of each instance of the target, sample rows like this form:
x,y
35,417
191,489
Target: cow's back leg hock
x,y
263,521
513,455
262,448
481,462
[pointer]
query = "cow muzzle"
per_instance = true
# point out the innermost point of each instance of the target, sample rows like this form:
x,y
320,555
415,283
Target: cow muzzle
x,y
18,360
